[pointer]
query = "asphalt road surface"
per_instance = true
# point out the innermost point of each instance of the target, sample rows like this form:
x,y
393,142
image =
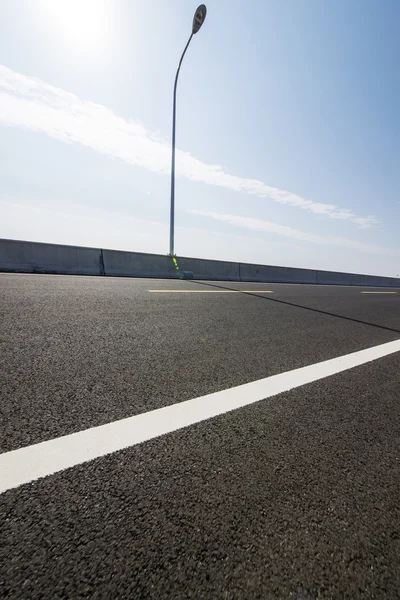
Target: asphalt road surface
x,y
296,496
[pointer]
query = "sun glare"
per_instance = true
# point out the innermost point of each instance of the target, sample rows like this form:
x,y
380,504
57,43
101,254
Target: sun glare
x,y
85,24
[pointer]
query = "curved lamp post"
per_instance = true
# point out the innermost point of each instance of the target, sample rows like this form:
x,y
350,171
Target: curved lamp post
x,y
198,20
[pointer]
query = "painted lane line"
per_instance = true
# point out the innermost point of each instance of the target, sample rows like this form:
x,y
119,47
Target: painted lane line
x,y
39,460
211,291
379,292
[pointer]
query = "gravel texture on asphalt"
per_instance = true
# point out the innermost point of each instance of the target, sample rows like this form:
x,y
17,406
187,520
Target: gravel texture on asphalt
x,y
83,351
294,497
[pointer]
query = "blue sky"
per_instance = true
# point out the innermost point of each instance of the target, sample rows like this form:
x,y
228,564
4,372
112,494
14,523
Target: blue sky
x,y
288,128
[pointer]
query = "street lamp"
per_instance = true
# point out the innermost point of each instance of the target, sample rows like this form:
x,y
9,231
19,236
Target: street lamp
x,y
198,20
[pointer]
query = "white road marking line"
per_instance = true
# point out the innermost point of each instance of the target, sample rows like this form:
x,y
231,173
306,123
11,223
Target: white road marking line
x,y
379,292
211,291
39,460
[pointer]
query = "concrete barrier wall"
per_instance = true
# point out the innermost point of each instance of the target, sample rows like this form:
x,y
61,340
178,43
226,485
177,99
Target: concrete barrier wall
x,y
334,278
214,270
264,273
33,257
137,264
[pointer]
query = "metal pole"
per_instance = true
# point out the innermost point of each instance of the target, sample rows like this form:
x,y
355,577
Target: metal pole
x,y
172,214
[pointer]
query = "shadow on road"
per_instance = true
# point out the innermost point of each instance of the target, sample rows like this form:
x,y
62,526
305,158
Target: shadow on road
x,y
293,304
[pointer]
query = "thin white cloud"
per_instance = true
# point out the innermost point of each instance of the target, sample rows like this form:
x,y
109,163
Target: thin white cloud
x,y
99,227
32,104
295,234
